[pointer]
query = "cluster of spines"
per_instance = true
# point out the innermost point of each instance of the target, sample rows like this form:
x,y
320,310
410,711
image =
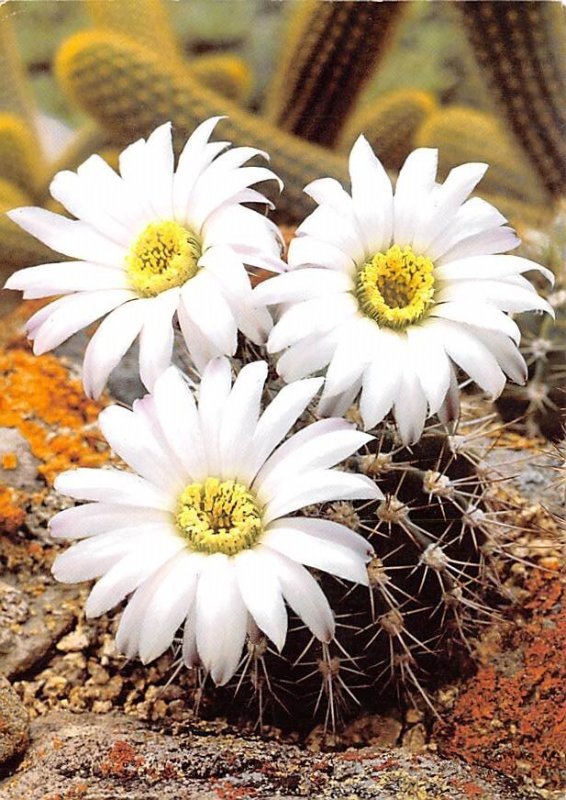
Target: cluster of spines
x,y
390,124
432,586
129,90
521,47
331,51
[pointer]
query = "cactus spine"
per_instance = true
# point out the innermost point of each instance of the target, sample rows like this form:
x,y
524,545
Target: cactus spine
x,y
129,91
521,47
331,51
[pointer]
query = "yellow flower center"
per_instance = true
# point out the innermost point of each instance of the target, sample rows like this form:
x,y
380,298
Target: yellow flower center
x,y
163,256
219,517
396,288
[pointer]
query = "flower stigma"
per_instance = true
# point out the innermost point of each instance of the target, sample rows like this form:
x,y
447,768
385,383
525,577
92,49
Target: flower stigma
x,y
165,255
219,517
395,288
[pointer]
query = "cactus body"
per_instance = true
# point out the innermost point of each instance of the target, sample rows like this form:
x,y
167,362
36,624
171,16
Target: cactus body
x,y
223,73
130,91
18,248
521,47
331,51
464,134
15,94
431,584
390,123
20,161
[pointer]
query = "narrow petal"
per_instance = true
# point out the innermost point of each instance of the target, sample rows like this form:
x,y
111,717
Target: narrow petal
x,y
382,378
239,420
430,363
112,486
64,278
312,552
260,591
302,284
311,317
410,406
110,342
75,312
415,183
156,340
213,395
372,195
319,486
489,268
221,618
306,251
303,594
326,531
91,519
204,303
481,315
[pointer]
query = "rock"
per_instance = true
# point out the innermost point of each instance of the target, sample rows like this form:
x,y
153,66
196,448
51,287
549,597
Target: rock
x,y
14,725
18,467
114,757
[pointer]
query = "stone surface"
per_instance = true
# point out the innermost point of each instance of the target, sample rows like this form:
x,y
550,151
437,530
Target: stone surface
x,y
112,757
14,725
18,467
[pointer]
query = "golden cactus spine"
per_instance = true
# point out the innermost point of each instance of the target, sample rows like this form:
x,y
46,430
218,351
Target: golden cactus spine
x,y
521,47
390,123
465,134
331,51
129,91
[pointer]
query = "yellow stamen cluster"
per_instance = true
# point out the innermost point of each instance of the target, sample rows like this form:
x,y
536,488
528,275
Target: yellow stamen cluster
x,y
163,256
219,517
396,288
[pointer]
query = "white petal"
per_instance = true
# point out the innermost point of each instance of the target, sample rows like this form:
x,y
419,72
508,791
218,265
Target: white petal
x,y
354,352
278,418
484,243
466,349
311,251
191,657
329,225
302,284
414,185
65,277
326,531
319,486
260,590
94,518
506,296
180,423
319,452
135,443
489,268
410,406
194,158
72,238
214,391
474,216
156,340
507,354
128,573
382,378
75,312
309,355
110,342
239,419
204,303
311,317
159,171
481,315
446,202
201,349
112,486
312,552
372,195
171,593
221,618
430,363
303,594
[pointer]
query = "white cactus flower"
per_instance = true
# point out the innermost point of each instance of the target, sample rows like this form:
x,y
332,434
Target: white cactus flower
x,y
388,290
150,243
205,532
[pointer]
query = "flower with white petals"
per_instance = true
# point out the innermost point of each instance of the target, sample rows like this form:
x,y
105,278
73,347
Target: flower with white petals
x,y
205,532
149,243
388,291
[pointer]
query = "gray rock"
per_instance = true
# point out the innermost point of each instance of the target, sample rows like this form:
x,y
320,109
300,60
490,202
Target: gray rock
x,y
114,757
23,474
14,725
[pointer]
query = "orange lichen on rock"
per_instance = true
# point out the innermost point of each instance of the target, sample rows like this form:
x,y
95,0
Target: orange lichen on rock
x,y
9,461
12,516
511,715
49,408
